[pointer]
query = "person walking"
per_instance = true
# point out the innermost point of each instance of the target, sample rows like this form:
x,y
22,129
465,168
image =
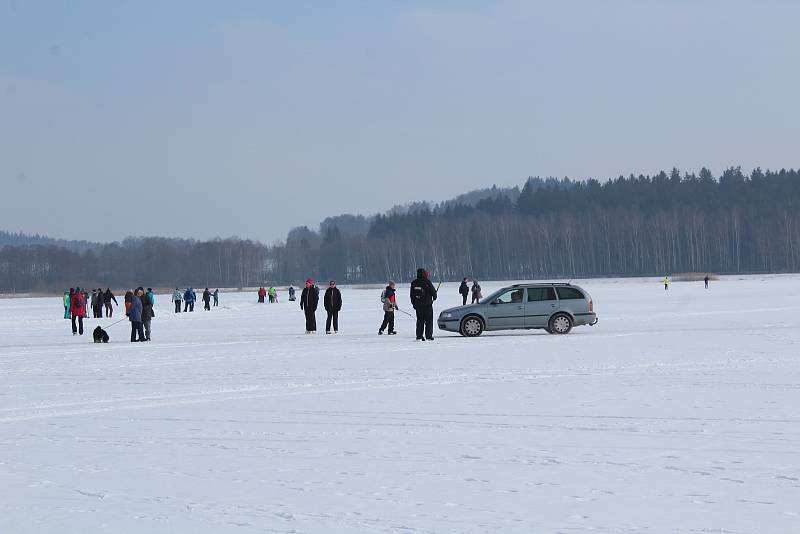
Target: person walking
x,y
135,316
389,302
705,280
189,297
476,292
273,295
216,297
463,289
177,297
309,299
148,300
77,309
67,300
422,296
100,302
291,294
207,300
666,283
332,303
93,303
262,292
108,297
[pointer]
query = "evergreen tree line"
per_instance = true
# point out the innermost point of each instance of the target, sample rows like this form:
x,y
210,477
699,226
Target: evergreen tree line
x,y
556,229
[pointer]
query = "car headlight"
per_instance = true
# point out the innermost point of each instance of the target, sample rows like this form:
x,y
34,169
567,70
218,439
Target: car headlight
x,y
447,316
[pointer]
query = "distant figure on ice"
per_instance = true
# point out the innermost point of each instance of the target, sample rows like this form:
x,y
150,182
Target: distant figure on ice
x,y
135,316
705,280
463,289
262,292
93,303
77,309
128,302
67,300
666,283
177,297
99,303
108,297
389,302
216,297
422,296
148,301
207,300
476,292
273,295
189,296
309,299
332,303
291,294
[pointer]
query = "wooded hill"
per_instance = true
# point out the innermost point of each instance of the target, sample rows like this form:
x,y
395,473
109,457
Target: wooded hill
x,y
551,229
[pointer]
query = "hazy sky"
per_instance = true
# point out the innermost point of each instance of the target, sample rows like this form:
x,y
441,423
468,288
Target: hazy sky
x,y
201,119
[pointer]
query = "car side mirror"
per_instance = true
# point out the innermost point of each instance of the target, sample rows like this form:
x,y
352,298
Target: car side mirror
x,y
493,303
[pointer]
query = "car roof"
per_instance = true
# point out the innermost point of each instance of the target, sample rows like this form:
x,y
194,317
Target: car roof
x,y
535,284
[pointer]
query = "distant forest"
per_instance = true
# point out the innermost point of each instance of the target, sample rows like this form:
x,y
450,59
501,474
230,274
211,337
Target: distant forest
x,y
550,229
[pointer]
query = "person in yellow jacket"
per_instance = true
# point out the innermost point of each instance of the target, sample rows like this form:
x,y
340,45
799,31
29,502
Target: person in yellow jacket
x,y
666,283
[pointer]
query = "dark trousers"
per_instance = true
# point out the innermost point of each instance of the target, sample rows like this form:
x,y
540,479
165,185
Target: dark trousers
x,y
109,310
189,306
465,300
207,305
333,315
475,298
98,311
185,305
260,299
79,327
137,328
216,301
146,325
177,306
388,320
311,321
425,322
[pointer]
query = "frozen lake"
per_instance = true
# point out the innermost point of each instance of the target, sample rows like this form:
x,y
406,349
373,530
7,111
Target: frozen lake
x,y
678,412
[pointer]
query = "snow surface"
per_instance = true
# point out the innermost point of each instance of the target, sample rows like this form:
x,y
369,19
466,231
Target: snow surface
x,y
678,412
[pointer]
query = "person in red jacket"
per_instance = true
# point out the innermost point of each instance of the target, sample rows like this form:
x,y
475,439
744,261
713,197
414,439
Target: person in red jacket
x,y
262,292
77,308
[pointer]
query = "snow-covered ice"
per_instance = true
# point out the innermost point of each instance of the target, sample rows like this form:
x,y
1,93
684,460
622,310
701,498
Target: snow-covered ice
x,y
678,412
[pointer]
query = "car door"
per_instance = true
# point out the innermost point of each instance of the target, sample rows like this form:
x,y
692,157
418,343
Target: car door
x,y
507,310
540,305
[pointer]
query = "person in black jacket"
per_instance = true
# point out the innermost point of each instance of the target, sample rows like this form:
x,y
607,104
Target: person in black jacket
x,y
108,296
464,290
422,296
309,299
207,300
333,303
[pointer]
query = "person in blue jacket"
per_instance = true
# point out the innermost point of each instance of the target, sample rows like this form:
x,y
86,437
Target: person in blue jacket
x,y
135,316
188,299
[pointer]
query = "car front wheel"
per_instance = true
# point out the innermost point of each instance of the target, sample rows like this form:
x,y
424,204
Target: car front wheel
x,y
472,327
560,323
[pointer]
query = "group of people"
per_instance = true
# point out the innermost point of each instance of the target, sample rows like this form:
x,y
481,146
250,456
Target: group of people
x,y
331,301
139,309
98,300
465,291
272,294
666,281
189,297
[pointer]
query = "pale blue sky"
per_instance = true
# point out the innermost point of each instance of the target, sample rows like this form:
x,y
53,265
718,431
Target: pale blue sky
x,y
201,119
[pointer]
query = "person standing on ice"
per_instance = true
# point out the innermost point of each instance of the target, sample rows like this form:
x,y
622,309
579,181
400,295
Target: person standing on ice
x,y
422,296
261,294
128,302
99,309
309,299
666,283
705,280
177,297
291,294
389,302
463,289
77,308
216,297
188,299
332,303
476,292
273,295
207,300
148,300
135,316
108,296
67,300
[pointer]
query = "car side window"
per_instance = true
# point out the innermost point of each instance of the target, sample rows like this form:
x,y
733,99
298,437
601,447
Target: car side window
x,y
513,296
536,294
569,293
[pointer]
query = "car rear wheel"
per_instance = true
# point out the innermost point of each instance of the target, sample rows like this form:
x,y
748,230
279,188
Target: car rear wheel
x,y
471,326
560,323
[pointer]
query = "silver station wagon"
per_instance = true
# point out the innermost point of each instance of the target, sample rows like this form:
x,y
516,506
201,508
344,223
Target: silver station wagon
x,y
552,307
